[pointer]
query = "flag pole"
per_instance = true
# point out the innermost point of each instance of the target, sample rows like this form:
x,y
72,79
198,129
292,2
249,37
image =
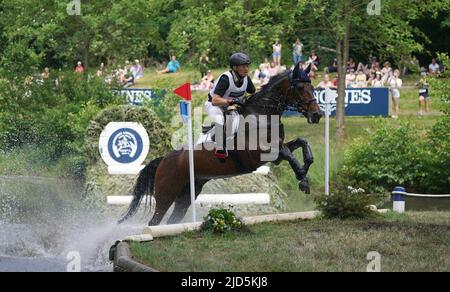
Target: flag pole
x,y
185,107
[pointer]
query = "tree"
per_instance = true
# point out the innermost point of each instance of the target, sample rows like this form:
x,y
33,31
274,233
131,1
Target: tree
x,y
388,33
42,33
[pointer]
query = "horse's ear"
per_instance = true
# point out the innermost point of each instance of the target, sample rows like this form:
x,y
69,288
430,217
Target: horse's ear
x,y
296,70
308,69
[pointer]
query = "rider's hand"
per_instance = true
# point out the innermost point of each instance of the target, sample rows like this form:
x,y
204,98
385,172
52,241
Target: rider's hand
x,y
236,101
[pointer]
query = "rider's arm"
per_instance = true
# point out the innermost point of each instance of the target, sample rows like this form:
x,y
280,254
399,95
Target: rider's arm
x,y
250,87
217,100
219,91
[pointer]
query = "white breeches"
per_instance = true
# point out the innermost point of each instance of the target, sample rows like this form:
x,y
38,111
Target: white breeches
x,y
216,114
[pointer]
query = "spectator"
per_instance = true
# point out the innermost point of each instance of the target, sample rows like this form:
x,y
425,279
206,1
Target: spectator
x,y
172,67
136,70
203,64
361,79
207,81
326,83
336,81
433,68
351,65
395,83
101,70
79,68
127,67
350,79
377,82
276,47
314,59
386,72
297,51
45,74
332,68
423,94
264,69
362,67
305,65
273,70
372,71
127,79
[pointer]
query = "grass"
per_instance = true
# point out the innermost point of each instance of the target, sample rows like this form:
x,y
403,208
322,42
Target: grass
x,y
412,242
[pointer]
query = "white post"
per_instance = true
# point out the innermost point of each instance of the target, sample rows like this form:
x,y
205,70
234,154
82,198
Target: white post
x,y
327,148
329,97
191,161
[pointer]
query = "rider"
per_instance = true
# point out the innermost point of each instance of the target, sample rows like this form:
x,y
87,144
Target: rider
x,y
228,90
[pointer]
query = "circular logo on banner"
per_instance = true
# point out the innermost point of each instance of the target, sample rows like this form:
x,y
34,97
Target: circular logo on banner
x,y
125,145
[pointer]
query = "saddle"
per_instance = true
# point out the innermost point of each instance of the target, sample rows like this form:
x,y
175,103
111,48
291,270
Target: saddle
x,y
220,153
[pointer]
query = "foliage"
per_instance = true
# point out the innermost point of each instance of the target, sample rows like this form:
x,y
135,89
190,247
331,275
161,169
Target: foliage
x,y
401,155
221,221
347,203
44,31
38,34
440,86
52,117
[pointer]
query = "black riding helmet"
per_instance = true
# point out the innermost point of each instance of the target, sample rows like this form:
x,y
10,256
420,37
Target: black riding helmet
x,y
239,59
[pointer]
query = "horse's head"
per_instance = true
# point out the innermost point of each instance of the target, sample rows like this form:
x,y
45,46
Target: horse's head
x,y
303,94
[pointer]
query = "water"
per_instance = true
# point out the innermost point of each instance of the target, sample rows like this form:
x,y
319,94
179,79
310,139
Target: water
x,y
427,204
46,226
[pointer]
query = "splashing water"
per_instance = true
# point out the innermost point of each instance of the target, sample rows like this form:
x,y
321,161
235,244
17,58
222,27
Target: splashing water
x,y
45,226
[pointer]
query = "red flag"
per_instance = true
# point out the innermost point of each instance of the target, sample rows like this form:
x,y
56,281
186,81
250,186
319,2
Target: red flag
x,y
184,91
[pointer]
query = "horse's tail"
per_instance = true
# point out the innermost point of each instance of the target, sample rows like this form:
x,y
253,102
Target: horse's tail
x,y
144,186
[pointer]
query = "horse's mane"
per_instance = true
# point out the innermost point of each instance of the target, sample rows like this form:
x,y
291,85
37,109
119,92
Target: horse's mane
x,y
274,80
267,88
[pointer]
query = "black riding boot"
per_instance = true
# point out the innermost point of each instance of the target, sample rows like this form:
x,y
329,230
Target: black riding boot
x,y
220,152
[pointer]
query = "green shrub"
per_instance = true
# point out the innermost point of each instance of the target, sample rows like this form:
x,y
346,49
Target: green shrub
x,y
221,221
52,118
401,155
347,203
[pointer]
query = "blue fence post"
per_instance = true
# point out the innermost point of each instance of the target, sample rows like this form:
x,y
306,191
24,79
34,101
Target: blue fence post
x,y
398,199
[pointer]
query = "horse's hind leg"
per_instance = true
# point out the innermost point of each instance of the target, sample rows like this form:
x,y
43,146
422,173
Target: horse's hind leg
x,y
164,199
183,202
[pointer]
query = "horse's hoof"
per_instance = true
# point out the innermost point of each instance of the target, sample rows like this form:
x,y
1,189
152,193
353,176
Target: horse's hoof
x,y
304,186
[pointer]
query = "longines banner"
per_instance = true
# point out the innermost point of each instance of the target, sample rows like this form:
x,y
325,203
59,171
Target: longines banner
x,y
137,96
358,102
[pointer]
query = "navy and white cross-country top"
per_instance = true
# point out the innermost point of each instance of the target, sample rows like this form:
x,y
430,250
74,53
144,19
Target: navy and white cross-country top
x,y
228,86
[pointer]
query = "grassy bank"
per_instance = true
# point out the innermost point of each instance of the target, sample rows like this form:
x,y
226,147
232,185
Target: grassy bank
x,y
412,242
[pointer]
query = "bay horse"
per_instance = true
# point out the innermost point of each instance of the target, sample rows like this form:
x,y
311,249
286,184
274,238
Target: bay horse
x,y
167,178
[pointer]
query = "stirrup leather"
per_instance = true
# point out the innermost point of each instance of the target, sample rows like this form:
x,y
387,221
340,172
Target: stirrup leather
x,y
221,154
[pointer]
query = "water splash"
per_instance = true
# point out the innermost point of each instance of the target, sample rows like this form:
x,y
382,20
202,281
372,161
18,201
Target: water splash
x,y
44,220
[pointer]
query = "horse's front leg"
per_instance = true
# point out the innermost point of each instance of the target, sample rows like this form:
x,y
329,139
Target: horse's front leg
x,y
300,173
308,158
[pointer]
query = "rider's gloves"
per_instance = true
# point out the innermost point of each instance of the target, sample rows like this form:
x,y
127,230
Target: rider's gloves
x,y
236,101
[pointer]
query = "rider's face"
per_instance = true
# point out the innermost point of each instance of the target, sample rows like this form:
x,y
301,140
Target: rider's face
x,y
242,70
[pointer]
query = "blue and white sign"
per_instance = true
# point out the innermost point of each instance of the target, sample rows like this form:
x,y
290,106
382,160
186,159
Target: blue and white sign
x,y
184,111
358,102
137,96
124,147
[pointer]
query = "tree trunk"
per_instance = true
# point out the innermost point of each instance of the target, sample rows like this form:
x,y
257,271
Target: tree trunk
x,y
342,51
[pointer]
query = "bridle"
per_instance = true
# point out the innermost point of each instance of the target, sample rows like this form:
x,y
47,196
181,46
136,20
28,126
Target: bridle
x,y
281,100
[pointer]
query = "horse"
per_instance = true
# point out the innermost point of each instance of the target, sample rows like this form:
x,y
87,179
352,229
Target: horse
x,y
167,178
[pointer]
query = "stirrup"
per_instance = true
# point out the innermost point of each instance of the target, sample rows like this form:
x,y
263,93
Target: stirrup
x,y
221,154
